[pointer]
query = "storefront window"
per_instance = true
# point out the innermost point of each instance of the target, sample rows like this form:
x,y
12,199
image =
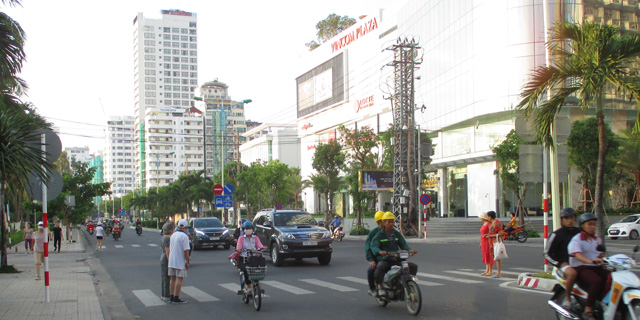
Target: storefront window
x,y
457,191
430,187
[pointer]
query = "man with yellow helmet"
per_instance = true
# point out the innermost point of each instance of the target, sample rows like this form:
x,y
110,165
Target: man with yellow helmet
x,y
388,239
370,256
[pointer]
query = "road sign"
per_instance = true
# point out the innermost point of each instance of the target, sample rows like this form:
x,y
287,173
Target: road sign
x,y
217,189
223,201
425,199
218,201
228,189
278,206
54,186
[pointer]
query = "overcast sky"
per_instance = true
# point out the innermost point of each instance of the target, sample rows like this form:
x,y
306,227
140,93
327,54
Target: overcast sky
x,y
80,55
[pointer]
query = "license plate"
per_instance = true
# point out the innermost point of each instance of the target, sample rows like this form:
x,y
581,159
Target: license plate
x,y
614,232
214,238
310,243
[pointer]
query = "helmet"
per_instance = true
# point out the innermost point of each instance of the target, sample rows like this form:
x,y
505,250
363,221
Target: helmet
x,y
378,216
388,216
567,213
242,221
587,217
247,224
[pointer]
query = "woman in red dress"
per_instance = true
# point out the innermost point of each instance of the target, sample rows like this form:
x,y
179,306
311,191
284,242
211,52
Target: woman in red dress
x,y
485,245
495,230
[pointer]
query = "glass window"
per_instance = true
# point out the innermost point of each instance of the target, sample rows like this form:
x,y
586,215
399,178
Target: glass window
x,y
149,57
176,81
193,67
149,50
166,37
149,35
167,66
175,30
186,96
186,103
167,44
193,53
293,219
184,45
166,29
192,39
167,58
457,191
149,72
192,31
184,60
193,60
149,64
149,43
184,30
175,52
175,45
192,24
176,66
150,94
175,37
184,67
150,79
193,46
185,74
207,223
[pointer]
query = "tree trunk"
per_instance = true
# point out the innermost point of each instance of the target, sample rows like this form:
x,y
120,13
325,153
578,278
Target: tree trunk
x,y
602,150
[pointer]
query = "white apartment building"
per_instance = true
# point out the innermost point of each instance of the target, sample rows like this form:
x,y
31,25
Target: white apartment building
x,y
118,157
271,142
79,154
225,125
165,77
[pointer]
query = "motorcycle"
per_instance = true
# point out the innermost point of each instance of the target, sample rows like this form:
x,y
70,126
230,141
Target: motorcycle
x,y
400,285
256,271
519,234
107,230
623,295
90,229
139,230
337,233
116,233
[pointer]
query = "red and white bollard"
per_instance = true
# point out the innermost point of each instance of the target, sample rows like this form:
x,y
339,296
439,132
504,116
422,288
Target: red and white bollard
x,y
425,222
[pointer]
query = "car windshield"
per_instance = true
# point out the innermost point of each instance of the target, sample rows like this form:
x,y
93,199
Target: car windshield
x,y
294,219
630,219
207,223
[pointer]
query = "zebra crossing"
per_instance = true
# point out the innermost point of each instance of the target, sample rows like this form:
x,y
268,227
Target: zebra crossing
x,y
311,286
121,246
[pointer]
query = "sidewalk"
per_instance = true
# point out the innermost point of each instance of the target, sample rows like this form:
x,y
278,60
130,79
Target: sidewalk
x,y
72,293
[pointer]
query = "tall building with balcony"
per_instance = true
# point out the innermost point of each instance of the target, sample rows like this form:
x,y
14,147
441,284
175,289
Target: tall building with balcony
x,y
98,176
79,154
268,142
118,156
225,124
165,77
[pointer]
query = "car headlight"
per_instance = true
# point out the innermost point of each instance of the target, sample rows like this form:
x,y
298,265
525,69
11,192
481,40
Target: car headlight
x,y
225,232
200,232
286,235
326,235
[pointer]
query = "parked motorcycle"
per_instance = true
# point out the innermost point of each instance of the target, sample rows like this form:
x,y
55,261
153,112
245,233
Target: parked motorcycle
x,y
623,296
139,230
400,285
337,233
519,234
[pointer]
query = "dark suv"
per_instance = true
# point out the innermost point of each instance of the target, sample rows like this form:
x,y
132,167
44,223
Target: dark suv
x,y
209,232
292,234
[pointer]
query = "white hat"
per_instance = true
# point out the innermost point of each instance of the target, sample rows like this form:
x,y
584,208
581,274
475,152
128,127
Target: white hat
x,y
483,215
182,223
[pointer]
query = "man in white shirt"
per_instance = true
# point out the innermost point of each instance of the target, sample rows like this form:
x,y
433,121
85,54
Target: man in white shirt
x,y
178,260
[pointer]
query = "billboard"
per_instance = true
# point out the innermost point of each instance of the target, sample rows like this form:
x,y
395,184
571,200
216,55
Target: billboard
x,y
376,180
321,87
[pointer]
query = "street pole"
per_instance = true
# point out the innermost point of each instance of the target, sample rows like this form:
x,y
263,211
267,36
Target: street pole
x,y
43,147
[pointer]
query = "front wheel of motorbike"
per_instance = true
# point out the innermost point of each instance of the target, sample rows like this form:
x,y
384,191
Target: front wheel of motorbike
x,y
257,297
521,236
412,297
382,302
559,299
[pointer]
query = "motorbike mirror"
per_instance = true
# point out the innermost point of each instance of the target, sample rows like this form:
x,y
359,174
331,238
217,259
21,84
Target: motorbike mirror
x,y
601,248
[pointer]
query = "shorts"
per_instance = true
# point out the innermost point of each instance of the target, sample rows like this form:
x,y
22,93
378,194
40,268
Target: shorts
x,y
38,257
180,273
99,237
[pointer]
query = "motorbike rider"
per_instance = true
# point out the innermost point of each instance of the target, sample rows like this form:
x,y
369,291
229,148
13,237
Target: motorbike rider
x,y
335,223
584,257
138,225
247,241
388,240
512,225
238,233
370,256
556,251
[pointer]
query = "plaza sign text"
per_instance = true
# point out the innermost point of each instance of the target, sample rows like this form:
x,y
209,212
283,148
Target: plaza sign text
x,y
354,35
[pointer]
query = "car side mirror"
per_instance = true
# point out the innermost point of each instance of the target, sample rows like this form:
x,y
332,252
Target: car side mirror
x,y
267,224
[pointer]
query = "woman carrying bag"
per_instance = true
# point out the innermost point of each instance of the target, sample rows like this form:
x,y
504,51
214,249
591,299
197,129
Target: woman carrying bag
x,y
494,236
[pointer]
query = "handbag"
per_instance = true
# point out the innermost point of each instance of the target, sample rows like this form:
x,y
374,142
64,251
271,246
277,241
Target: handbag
x,y
499,250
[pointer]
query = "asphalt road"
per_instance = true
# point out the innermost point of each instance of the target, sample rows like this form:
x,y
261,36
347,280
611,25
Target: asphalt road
x,y
448,273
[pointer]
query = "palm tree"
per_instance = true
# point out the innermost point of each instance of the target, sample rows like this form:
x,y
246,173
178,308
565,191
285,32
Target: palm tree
x,y
585,61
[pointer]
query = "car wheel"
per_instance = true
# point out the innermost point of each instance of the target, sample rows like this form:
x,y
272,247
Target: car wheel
x,y
194,246
324,259
633,235
275,255
613,238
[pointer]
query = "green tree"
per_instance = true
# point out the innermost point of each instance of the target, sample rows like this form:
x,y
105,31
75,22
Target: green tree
x,y
629,158
328,160
583,143
508,158
587,61
329,28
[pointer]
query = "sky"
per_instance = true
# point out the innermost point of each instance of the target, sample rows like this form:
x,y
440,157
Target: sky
x,y
79,66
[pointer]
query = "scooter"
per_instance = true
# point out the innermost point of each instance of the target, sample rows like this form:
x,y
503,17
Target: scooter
x,y
90,229
622,300
139,230
256,271
116,233
400,285
519,234
337,233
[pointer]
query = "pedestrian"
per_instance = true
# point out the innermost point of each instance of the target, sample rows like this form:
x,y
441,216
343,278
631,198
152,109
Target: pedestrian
x,y
99,236
57,237
495,231
167,231
178,260
38,251
28,238
485,245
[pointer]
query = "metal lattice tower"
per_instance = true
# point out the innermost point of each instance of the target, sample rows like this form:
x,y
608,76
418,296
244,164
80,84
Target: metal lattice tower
x,y
404,156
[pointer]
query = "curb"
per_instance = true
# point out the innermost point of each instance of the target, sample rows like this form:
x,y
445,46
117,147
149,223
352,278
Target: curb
x,y
527,281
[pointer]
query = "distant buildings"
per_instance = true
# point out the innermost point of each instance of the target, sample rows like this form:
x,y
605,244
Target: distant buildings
x,y
118,158
268,142
79,154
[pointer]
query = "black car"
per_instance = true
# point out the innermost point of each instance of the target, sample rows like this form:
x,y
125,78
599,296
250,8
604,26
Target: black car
x,y
292,234
209,232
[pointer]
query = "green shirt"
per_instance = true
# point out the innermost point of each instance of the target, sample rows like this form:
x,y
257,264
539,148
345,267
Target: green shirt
x,y
383,242
367,245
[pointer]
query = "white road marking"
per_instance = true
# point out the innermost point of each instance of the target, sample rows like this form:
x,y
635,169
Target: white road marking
x,y
230,286
473,274
148,298
135,245
198,294
329,285
354,279
152,245
119,246
286,287
442,277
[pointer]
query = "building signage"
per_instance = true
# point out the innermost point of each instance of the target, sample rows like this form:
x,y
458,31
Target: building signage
x,y
354,35
376,180
306,126
363,103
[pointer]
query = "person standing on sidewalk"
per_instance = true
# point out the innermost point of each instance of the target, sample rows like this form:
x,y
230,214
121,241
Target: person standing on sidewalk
x,y
28,238
167,231
38,251
57,237
99,236
178,260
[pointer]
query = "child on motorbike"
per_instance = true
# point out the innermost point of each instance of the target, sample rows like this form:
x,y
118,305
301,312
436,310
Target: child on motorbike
x,y
584,257
245,243
556,251
370,256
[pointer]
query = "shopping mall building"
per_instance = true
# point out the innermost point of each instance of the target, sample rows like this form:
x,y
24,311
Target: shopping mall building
x,y
475,58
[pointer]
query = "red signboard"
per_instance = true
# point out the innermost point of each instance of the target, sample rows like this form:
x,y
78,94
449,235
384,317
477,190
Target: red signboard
x,y
217,189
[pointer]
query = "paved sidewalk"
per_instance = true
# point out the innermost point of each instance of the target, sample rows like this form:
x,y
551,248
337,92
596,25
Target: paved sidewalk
x,y
72,294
